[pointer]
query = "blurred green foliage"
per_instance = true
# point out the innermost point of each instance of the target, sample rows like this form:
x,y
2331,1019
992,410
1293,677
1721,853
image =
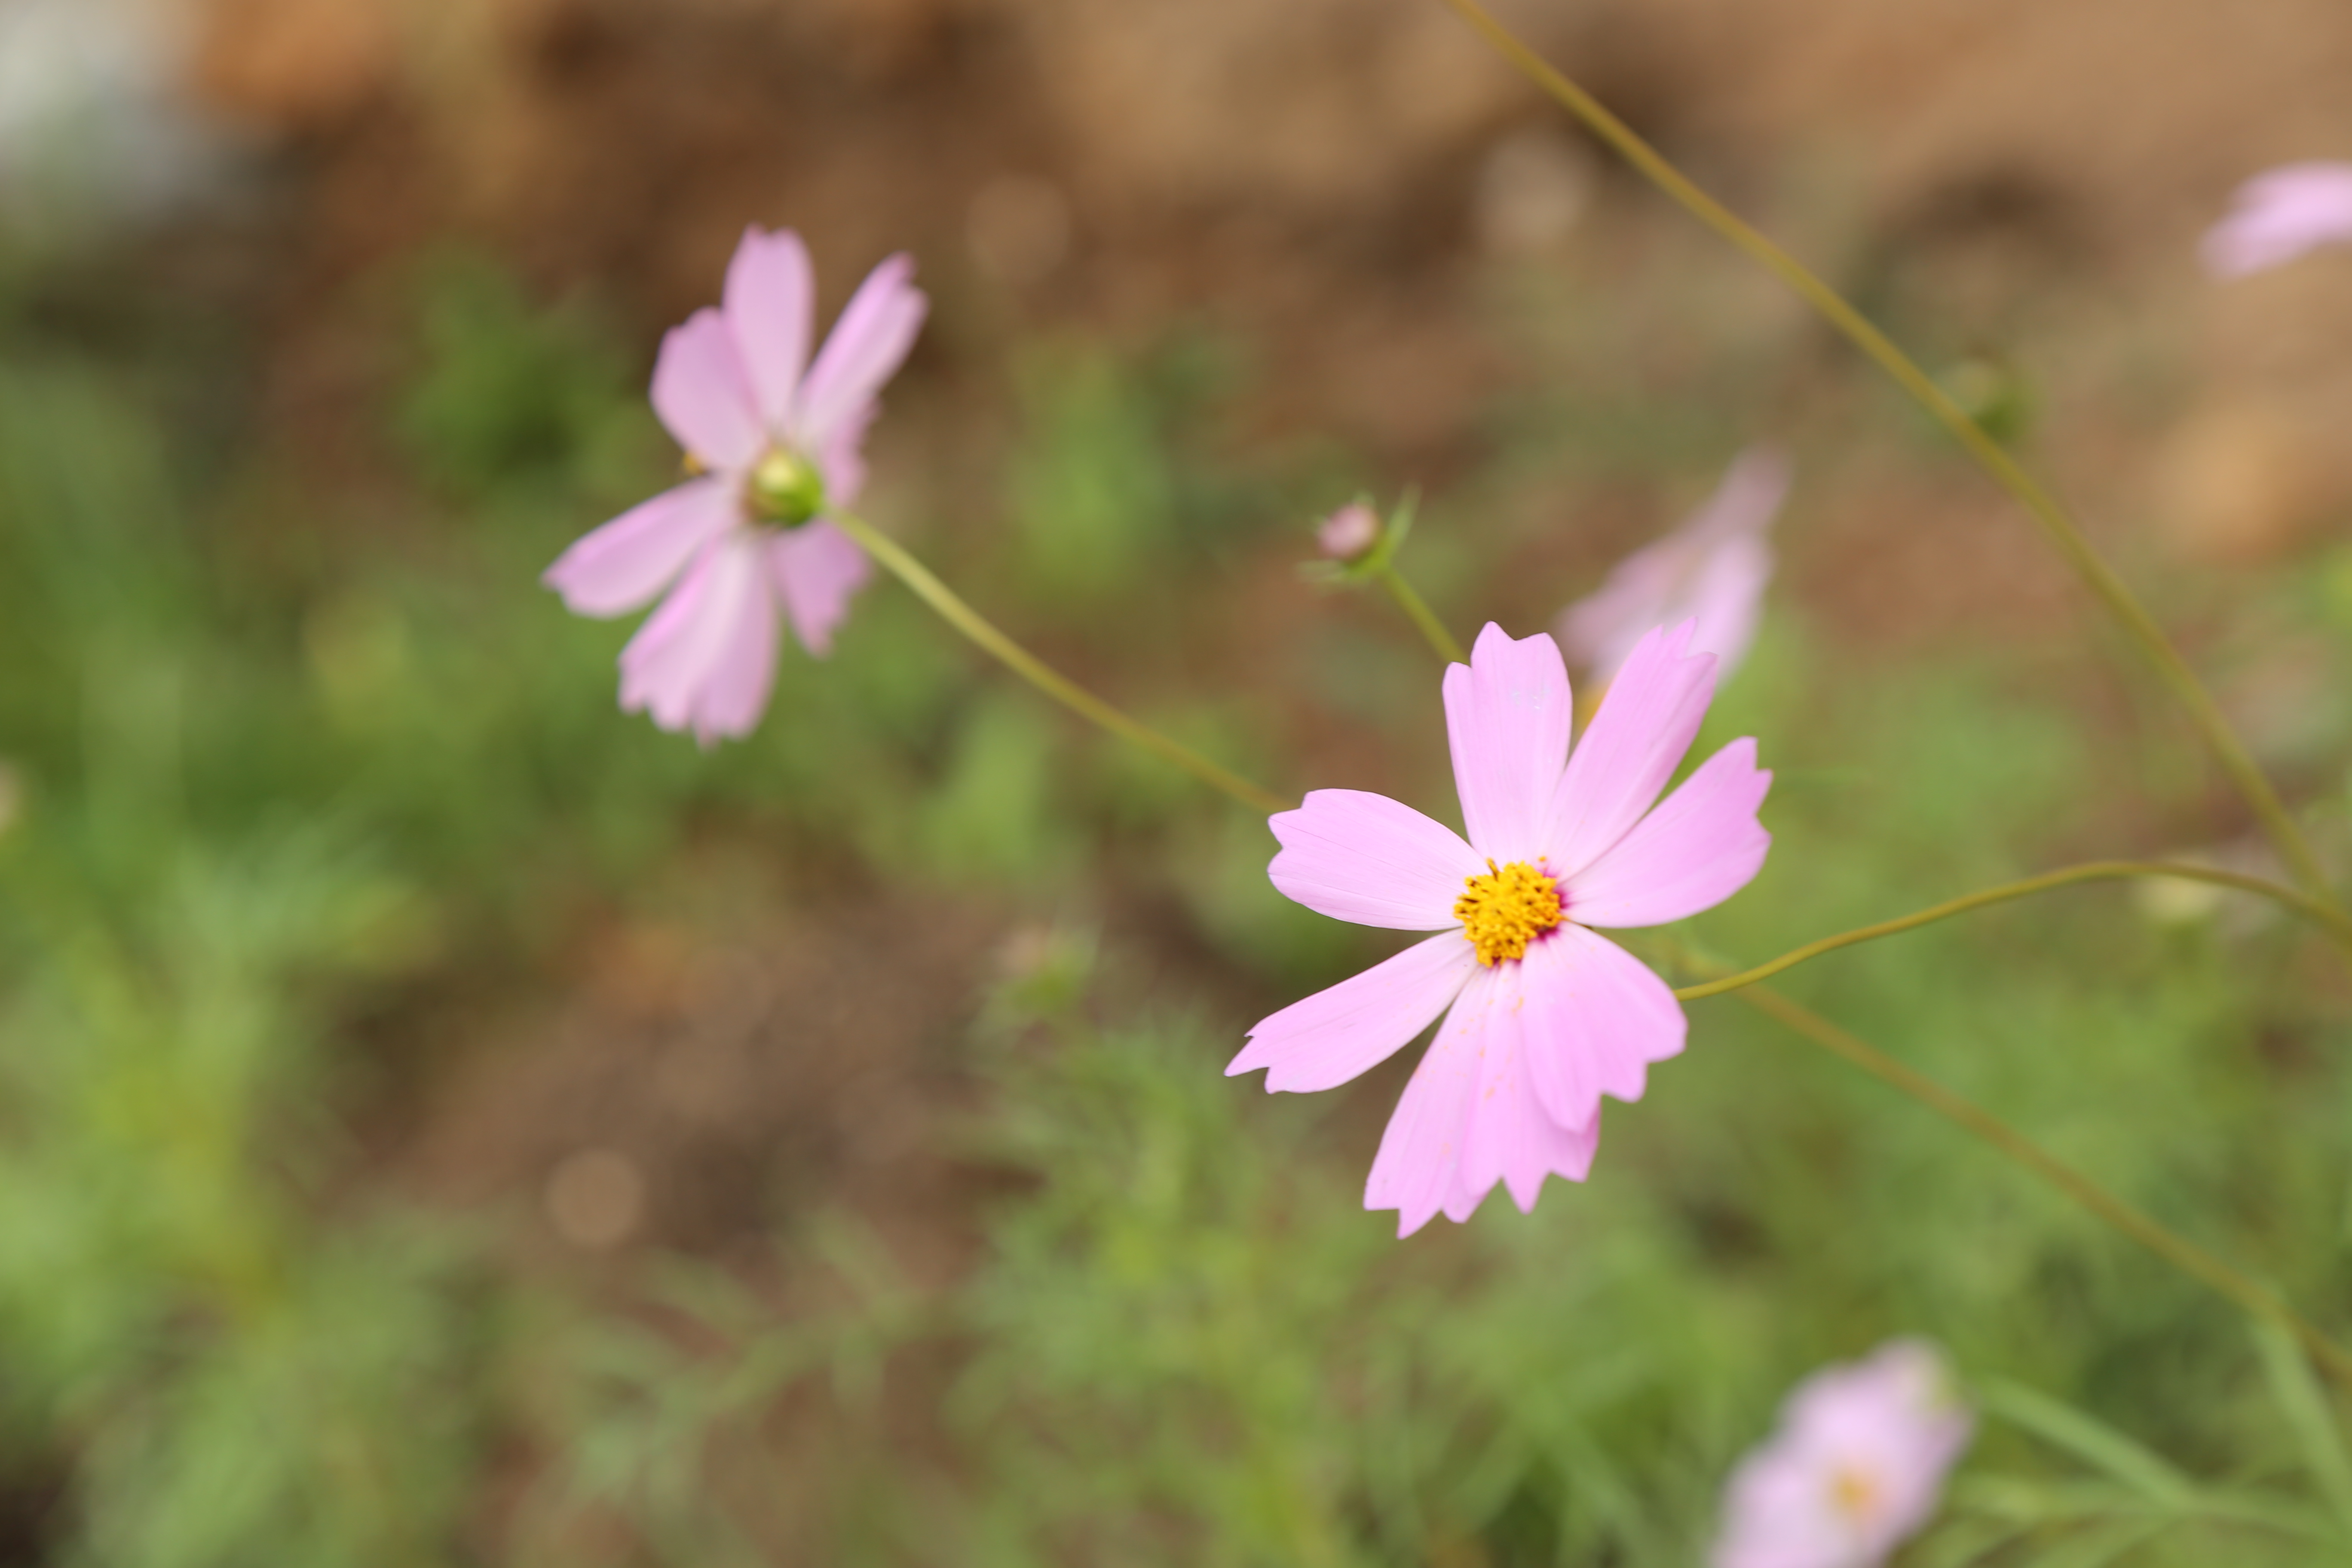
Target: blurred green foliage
x,y
265,790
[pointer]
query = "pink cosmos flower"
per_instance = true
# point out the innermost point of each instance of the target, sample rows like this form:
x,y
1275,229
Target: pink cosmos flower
x,y
2276,216
773,444
1547,1015
1712,570
1348,532
1856,1468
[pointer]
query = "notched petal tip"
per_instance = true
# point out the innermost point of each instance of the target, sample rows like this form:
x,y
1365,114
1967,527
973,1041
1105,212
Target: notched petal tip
x,y
1674,641
1647,720
1407,1223
1508,718
1701,845
1596,1019
769,303
875,331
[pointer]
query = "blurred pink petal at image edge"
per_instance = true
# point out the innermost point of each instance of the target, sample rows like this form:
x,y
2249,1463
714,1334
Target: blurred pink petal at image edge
x,y
2280,215
1712,570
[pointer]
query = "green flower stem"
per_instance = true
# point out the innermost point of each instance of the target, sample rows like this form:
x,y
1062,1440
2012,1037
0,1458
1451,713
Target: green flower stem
x,y
1417,611
1044,677
2177,1250
2061,528
2327,915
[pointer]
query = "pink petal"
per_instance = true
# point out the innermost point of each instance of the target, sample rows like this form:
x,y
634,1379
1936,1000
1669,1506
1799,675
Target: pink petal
x,y
622,566
1630,748
1702,845
2278,216
664,660
1350,1028
734,691
1595,1019
1747,500
864,350
843,461
1712,568
1727,599
1506,716
1778,1514
1360,857
816,569
1898,1400
1512,1139
682,645
1418,1169
1599,630
770,301
702,396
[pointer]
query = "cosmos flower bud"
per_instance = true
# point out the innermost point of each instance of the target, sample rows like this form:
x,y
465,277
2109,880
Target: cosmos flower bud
x,y
1348,533
784,488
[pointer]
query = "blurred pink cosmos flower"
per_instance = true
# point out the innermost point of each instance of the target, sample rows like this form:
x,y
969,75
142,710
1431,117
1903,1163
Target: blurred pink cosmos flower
x,y
1547,1015
2276,216
1712,569
772,443
1856,1468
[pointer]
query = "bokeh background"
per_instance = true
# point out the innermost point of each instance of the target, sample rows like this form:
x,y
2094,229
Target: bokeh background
x,y
445,1120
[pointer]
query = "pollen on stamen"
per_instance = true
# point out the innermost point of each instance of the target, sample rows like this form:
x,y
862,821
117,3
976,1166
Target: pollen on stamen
x,y
1853,1492
1505,909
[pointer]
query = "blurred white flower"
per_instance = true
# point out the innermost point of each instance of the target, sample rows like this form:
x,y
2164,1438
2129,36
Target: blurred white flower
x,y
1712,569
2179,902
1532,187
91,114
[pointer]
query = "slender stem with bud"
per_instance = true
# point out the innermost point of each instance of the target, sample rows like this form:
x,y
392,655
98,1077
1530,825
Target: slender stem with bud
x,y
2337,923
952,609
1417,611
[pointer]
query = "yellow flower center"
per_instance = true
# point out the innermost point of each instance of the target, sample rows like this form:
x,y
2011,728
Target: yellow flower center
x,y
1502,912
785,489
1853,1492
